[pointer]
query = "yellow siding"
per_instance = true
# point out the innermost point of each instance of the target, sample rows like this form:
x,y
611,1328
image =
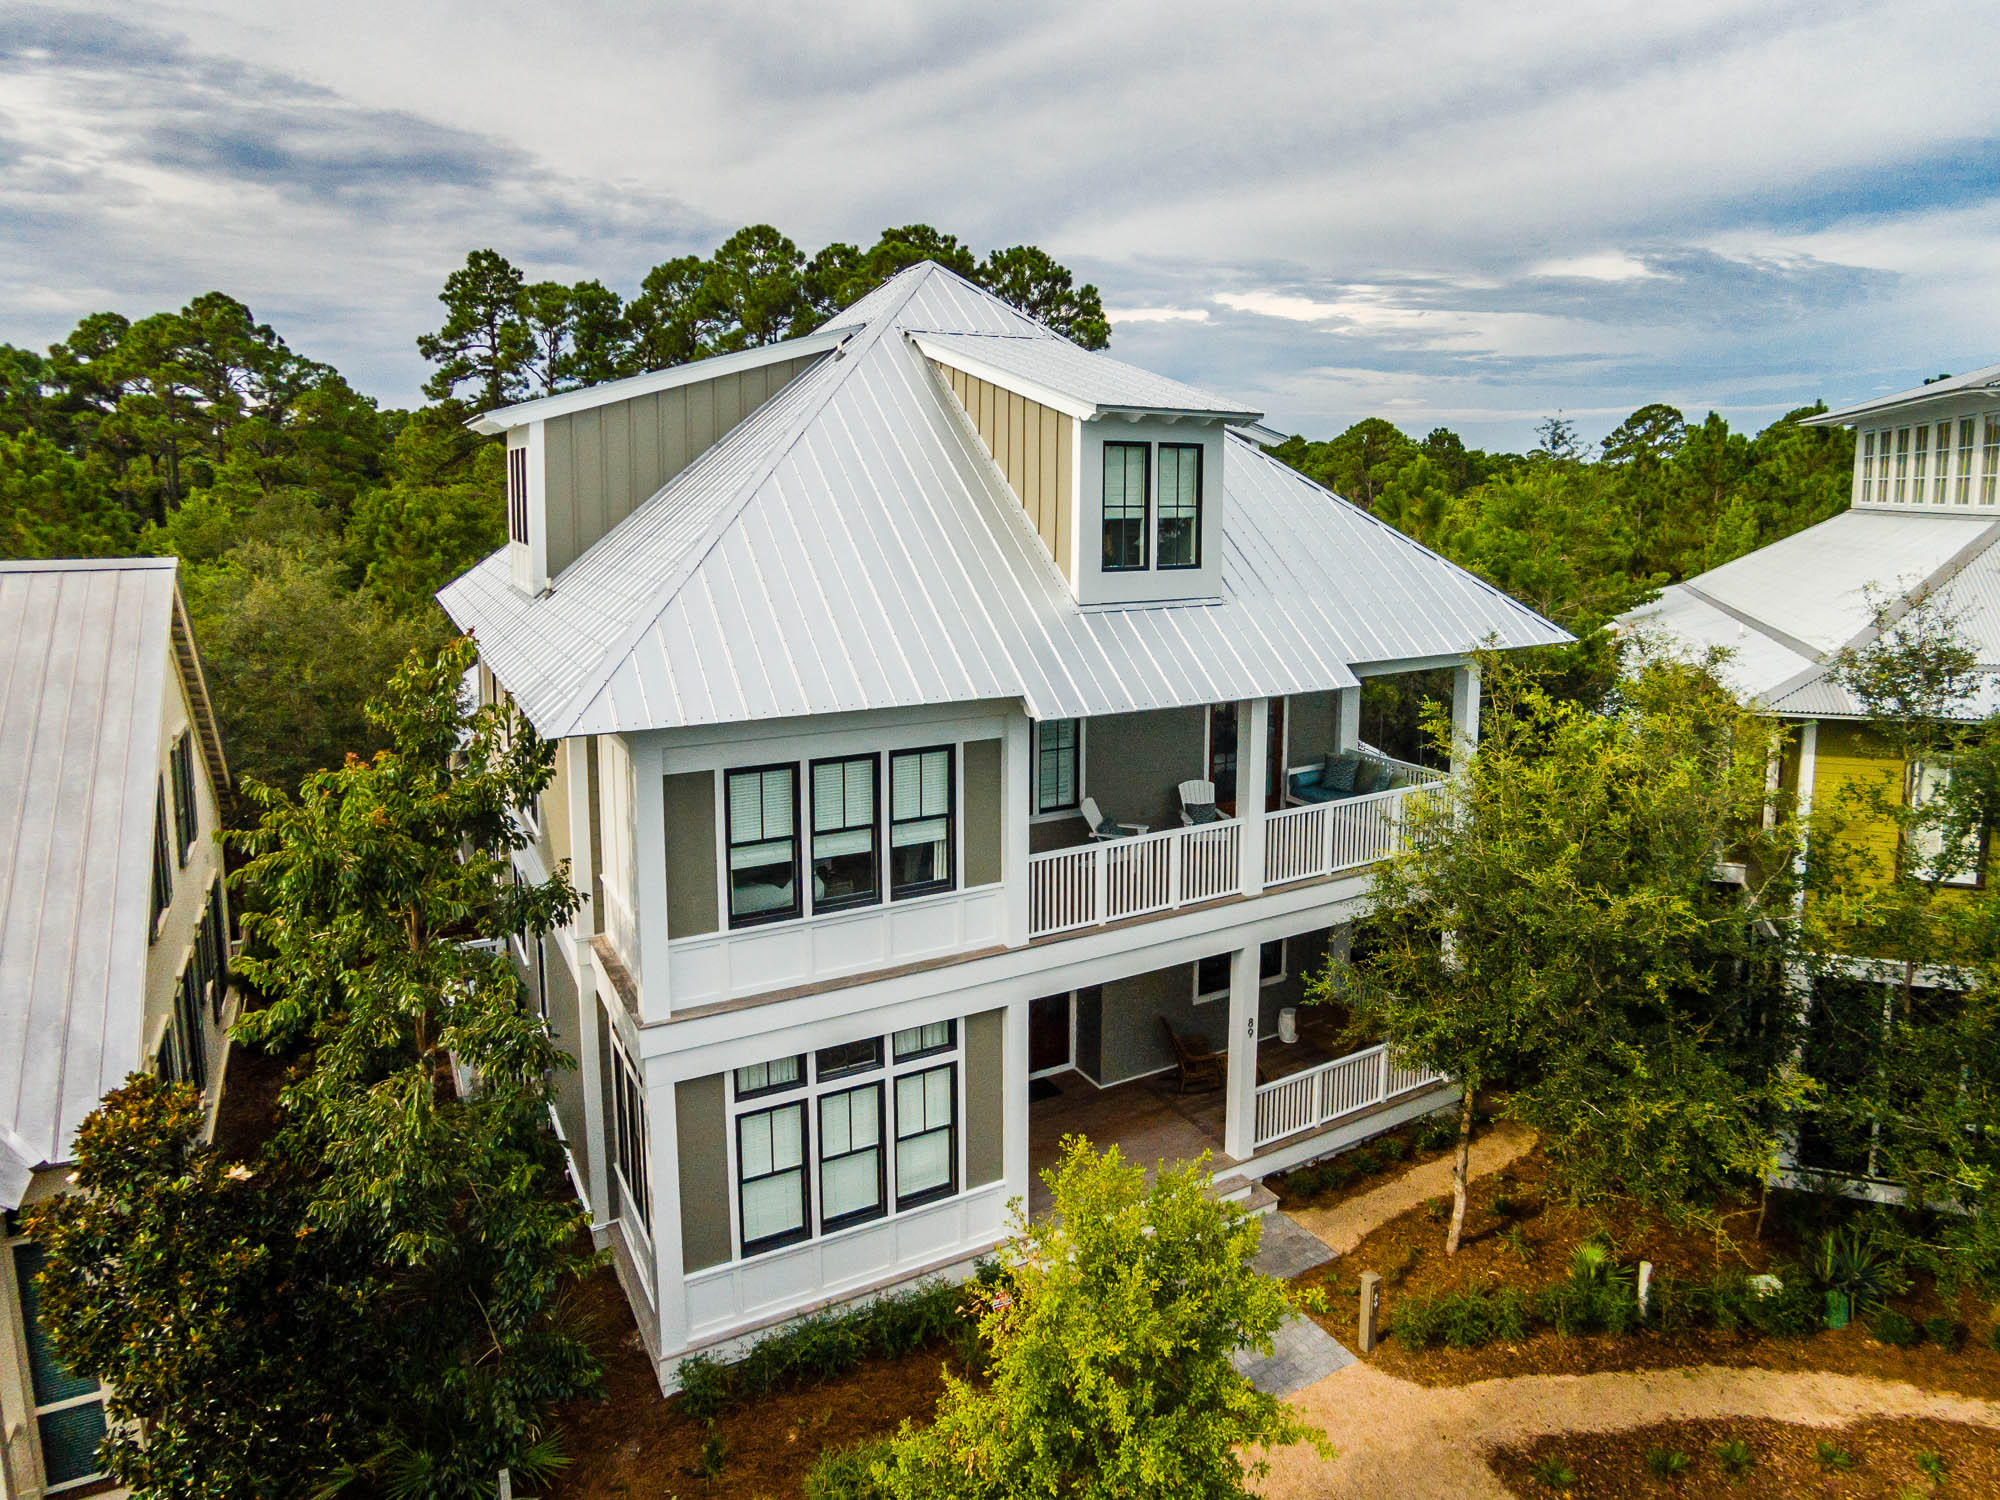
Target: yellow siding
x,y
1032,444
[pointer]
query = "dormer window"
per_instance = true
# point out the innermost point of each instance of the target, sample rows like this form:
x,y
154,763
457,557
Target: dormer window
x,y
1180,505
1125,507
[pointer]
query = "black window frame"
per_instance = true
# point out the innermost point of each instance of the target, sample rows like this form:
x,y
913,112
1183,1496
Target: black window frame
x,y
1075,752
949,1044
765,1090
631,1136
1145,510
187,812
880,1207
949,1187
163,854
730,844
866,1050
949,880
875,826
183,1055
1160,516
803,1105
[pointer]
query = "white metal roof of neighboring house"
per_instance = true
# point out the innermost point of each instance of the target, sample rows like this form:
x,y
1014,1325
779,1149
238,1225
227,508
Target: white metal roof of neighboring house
x,y
1785,611
1059,374
1986,378
851,545
84,660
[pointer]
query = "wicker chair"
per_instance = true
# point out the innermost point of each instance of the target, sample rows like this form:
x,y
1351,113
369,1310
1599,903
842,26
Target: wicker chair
x,y
1198,1065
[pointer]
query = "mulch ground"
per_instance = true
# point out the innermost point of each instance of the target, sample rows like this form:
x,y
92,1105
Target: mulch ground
x,y
1382,1150
1786,1461
637,1443
1515,1237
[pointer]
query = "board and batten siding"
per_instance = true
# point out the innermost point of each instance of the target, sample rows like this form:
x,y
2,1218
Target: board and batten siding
x,y
601,464
1034,445
701,1152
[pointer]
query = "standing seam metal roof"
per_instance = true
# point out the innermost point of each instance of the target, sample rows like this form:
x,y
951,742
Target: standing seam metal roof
x,y
85,656
852,545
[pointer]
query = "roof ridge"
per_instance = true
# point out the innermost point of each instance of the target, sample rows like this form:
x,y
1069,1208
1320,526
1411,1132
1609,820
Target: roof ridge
x,y
600,675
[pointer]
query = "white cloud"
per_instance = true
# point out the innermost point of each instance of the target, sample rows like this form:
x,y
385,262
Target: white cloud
x,y
1123,315
1605,265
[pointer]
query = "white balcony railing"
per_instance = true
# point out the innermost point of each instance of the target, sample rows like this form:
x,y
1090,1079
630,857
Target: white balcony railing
x,y
1106,881
1323,838
1317,1097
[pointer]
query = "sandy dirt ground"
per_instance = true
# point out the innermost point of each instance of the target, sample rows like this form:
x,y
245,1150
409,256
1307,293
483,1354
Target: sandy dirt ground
x,y
1346,1224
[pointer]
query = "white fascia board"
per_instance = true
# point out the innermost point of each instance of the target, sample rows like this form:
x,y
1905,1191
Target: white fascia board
x,y
507,418
1258,433
979,369
1851,416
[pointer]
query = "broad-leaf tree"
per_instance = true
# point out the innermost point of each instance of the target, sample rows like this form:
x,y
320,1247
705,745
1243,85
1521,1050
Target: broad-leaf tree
x,y
1110,1349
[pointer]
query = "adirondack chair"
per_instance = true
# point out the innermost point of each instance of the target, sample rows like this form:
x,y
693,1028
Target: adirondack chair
x,y
1198,794
1094,816
1198,1066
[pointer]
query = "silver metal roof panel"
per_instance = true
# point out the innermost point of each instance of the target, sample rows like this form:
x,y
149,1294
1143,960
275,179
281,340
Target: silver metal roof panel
x,y
1058,373
1986,379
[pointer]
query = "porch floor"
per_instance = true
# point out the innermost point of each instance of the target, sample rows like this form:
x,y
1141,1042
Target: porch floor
x,y
1147,1119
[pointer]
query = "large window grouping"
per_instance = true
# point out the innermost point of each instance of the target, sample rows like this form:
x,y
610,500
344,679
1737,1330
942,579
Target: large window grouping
x,y
1180,505
821,1137
763,845
1126,507
921,808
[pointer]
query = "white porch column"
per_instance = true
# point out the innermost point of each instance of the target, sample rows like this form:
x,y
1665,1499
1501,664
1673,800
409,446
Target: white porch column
x,y
583,963
663,1141
1018,748
1239,1117
1347,718
1014,1154
1464,713
649,881
1253,739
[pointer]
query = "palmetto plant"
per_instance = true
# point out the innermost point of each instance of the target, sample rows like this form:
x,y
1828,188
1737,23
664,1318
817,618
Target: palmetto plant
x,y
1856,1268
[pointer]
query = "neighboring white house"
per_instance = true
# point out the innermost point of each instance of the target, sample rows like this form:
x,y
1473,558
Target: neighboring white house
x,y
839,639
113,922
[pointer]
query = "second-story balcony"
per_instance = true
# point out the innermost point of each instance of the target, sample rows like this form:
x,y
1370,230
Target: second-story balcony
x,y
1082,877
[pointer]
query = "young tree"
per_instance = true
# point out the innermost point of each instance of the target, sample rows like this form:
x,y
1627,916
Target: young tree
x,y
1110,1349
1556,924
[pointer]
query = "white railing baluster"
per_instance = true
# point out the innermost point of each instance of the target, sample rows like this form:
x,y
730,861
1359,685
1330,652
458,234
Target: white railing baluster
x,y
1316,1097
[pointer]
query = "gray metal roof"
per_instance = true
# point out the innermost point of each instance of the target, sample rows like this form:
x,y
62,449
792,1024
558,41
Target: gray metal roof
x,y
85,656
851,545
1785,611
1093,383
1985,379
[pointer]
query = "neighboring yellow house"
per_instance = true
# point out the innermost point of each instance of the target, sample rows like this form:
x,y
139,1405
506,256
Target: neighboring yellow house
x,y
114,925
1922,525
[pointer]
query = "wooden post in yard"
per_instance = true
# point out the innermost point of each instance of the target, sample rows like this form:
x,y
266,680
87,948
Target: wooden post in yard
x,y
1371,1298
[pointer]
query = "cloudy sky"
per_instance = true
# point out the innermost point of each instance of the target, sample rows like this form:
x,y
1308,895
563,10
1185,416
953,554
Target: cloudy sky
x,y
1459,213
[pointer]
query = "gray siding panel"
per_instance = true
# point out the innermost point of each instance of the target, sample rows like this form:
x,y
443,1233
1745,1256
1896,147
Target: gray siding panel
x,y
984,827
986,1065
702,1152
1309,727
566,1021
690,841
1133,763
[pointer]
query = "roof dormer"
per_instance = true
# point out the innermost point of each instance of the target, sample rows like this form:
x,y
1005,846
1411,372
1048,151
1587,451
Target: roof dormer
x,y
1119,470
1936,447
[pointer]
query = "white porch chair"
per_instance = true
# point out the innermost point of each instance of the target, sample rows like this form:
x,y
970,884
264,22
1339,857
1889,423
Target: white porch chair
x,y
1195,794
1094,816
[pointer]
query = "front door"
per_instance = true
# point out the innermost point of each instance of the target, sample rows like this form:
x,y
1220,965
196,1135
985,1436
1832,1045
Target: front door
x,y
1048,1035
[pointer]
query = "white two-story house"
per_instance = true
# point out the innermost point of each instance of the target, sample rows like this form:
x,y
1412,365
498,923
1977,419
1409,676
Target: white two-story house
x,y
878,660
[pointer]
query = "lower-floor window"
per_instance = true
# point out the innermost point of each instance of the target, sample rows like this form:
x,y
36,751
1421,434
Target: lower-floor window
x,y
629,1126
926,1134
771,1176
850,1156
69,1409
183,1055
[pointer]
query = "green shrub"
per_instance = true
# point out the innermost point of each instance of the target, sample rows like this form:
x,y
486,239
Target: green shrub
x,y
1735,1457
1506,1205
843,1473
714,1455
1894,1328
1553,1472
1436,1131
1439,1209
1462,1320
1393,1147
1993,1338
1946,1332
1857,1267
1794,1309
1931,1464
1366,1160
1666,1463
705,1387
1832,1457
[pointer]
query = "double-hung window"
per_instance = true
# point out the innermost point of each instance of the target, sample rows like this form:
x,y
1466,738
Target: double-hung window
x,y
183,1055
1989,473
187,817
630,1136
1180,505
1919,466
852,1180
921,808
163,856
1867,467
845,868
926,1134
1211,974
1058,764
763,845
1941,484
1934,855
771,1176
1902,464
1126,484
1967,429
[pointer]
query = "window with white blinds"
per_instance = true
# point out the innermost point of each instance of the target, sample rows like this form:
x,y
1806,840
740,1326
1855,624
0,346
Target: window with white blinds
x,y
844,863
926,1135
771,1176
920,821
851,1179
1180,505
1126,504
763,844
1058,763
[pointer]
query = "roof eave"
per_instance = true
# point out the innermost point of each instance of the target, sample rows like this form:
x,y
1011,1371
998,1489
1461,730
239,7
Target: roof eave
x,y
1849,416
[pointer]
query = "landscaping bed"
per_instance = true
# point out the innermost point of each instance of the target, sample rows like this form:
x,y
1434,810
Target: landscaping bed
x,y
1353,1172
634,1443
1893,1458
1519,1251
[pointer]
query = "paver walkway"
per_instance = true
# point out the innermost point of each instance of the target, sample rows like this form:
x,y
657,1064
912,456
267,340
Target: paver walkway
x,y
1421,1443
1346,1224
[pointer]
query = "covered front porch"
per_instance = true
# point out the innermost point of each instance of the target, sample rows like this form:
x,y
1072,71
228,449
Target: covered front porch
x,y
1146,1063
1141,813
